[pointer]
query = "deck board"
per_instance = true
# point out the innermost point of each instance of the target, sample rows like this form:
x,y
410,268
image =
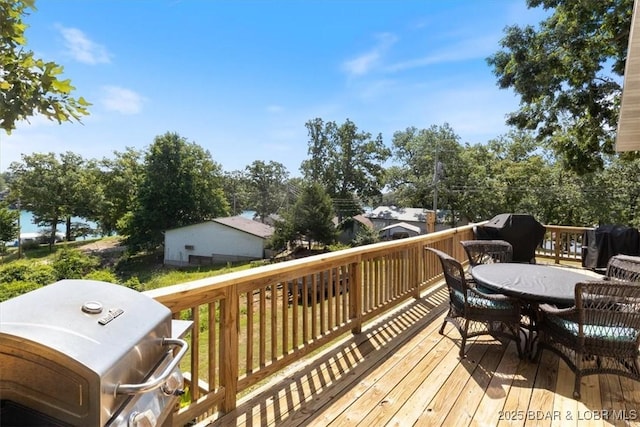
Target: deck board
x,y
401,371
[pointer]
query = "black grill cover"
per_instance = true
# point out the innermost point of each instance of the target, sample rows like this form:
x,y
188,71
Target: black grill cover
x,y
599,245
523,231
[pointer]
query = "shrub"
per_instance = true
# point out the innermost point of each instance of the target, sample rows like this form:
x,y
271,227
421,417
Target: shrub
x,y
70,264
134,283
365,236
103,276
42,274
338,247
30,245
27,271
13,289
16,271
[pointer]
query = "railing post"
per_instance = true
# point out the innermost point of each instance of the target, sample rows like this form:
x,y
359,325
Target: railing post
x,y
229,351
556,246
419,268
355,296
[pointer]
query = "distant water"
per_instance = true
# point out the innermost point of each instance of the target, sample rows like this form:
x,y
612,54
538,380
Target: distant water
x,y
248,214
27,225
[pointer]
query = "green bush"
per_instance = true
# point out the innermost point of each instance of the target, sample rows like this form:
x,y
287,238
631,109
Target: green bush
x,y
42,274
365,236
103,276
30,245
70,264
13,289
338,247
23,276
134,283
27,271
16,271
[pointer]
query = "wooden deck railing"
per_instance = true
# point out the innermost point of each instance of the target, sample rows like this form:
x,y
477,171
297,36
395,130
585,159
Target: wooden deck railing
x,y
249,325
562,243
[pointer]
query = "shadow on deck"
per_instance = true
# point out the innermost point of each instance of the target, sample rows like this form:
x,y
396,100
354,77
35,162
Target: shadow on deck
x,y
401,371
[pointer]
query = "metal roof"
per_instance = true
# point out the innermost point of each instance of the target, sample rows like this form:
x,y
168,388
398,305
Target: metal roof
x,y
247,225
399,214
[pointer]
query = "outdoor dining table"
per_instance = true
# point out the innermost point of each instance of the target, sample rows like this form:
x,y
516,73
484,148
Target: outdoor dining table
x,y
532,284
539,283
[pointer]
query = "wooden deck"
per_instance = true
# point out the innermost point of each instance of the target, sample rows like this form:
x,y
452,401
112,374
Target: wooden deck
x,y
402,372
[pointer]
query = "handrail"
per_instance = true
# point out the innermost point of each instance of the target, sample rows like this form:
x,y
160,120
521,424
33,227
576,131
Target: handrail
x,y
253,323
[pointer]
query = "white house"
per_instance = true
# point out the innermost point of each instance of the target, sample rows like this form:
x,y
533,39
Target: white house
x,y
220,240
383,216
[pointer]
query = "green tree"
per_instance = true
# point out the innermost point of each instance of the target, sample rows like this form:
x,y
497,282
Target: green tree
x,y
347,162
431,174
312,216
182,185
54,189
119,180
562,197
284,234
516,173
9,229
568,76
266,183
236,189
613,195
29,85
482,196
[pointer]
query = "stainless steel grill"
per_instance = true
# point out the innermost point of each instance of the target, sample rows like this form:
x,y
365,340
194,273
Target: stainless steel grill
x,y
88,353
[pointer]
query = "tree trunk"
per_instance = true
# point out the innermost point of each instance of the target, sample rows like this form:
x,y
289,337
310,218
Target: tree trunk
x,y
68,230
52,236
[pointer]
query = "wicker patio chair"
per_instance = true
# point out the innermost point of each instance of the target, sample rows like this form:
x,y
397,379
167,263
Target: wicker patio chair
x,y
599,335
475,313
486,252
624,267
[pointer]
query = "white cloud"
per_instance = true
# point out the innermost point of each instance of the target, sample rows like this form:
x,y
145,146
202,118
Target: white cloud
x,y
365,62
122,100
471,48
82,49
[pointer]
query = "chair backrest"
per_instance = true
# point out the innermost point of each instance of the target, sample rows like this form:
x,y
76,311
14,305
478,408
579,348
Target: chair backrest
x,y
613,305
453,271
487,251
624,267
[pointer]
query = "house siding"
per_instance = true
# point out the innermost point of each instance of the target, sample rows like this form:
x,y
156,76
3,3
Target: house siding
x,y
211,240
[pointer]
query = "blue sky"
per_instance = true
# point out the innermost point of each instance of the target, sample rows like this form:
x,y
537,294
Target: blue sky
x,y
241,78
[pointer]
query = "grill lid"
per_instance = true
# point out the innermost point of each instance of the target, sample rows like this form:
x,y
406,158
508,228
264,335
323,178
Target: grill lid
x,y
95,323
66,348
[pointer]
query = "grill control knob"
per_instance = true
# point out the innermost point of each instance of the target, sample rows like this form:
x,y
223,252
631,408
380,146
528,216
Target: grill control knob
x,y
174,384
143,419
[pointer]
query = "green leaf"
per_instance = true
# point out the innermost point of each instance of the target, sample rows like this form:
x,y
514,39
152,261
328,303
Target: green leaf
x,y
83,102
62,86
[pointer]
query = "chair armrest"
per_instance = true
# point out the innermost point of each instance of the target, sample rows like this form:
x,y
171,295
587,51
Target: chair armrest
x,y
551,310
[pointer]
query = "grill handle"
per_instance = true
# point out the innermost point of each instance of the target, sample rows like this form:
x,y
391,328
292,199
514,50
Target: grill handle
x,y
155,383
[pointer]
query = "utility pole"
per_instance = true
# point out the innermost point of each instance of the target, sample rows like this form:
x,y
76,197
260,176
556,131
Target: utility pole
x,y
19,233
435,182
438,172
